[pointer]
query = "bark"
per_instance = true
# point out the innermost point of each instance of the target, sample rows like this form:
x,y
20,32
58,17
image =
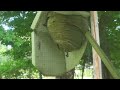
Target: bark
x,y
103,22
40,75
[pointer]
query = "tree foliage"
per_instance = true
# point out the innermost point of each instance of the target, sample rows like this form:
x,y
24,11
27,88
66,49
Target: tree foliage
x,y
111,22
17,69
18,34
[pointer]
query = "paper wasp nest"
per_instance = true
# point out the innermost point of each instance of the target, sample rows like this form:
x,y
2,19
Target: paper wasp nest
x,y
66,30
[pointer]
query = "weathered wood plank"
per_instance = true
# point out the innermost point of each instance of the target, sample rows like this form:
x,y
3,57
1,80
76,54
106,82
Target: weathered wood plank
x,y
103,56
95,33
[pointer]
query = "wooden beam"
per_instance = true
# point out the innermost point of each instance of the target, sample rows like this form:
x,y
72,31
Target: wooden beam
x,y
97,66
36,20
102,55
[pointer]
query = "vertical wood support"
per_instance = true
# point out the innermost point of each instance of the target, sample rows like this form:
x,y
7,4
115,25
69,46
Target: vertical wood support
x,y
95,33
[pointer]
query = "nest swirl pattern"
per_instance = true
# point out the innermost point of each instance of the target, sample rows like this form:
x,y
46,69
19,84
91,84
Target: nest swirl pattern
x,y
65,30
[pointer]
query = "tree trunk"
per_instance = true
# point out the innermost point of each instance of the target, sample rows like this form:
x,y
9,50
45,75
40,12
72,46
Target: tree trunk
x,y
40,75
67,75
103,22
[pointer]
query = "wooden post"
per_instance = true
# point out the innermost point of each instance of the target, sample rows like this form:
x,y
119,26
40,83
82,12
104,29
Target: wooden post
x,y
95,33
